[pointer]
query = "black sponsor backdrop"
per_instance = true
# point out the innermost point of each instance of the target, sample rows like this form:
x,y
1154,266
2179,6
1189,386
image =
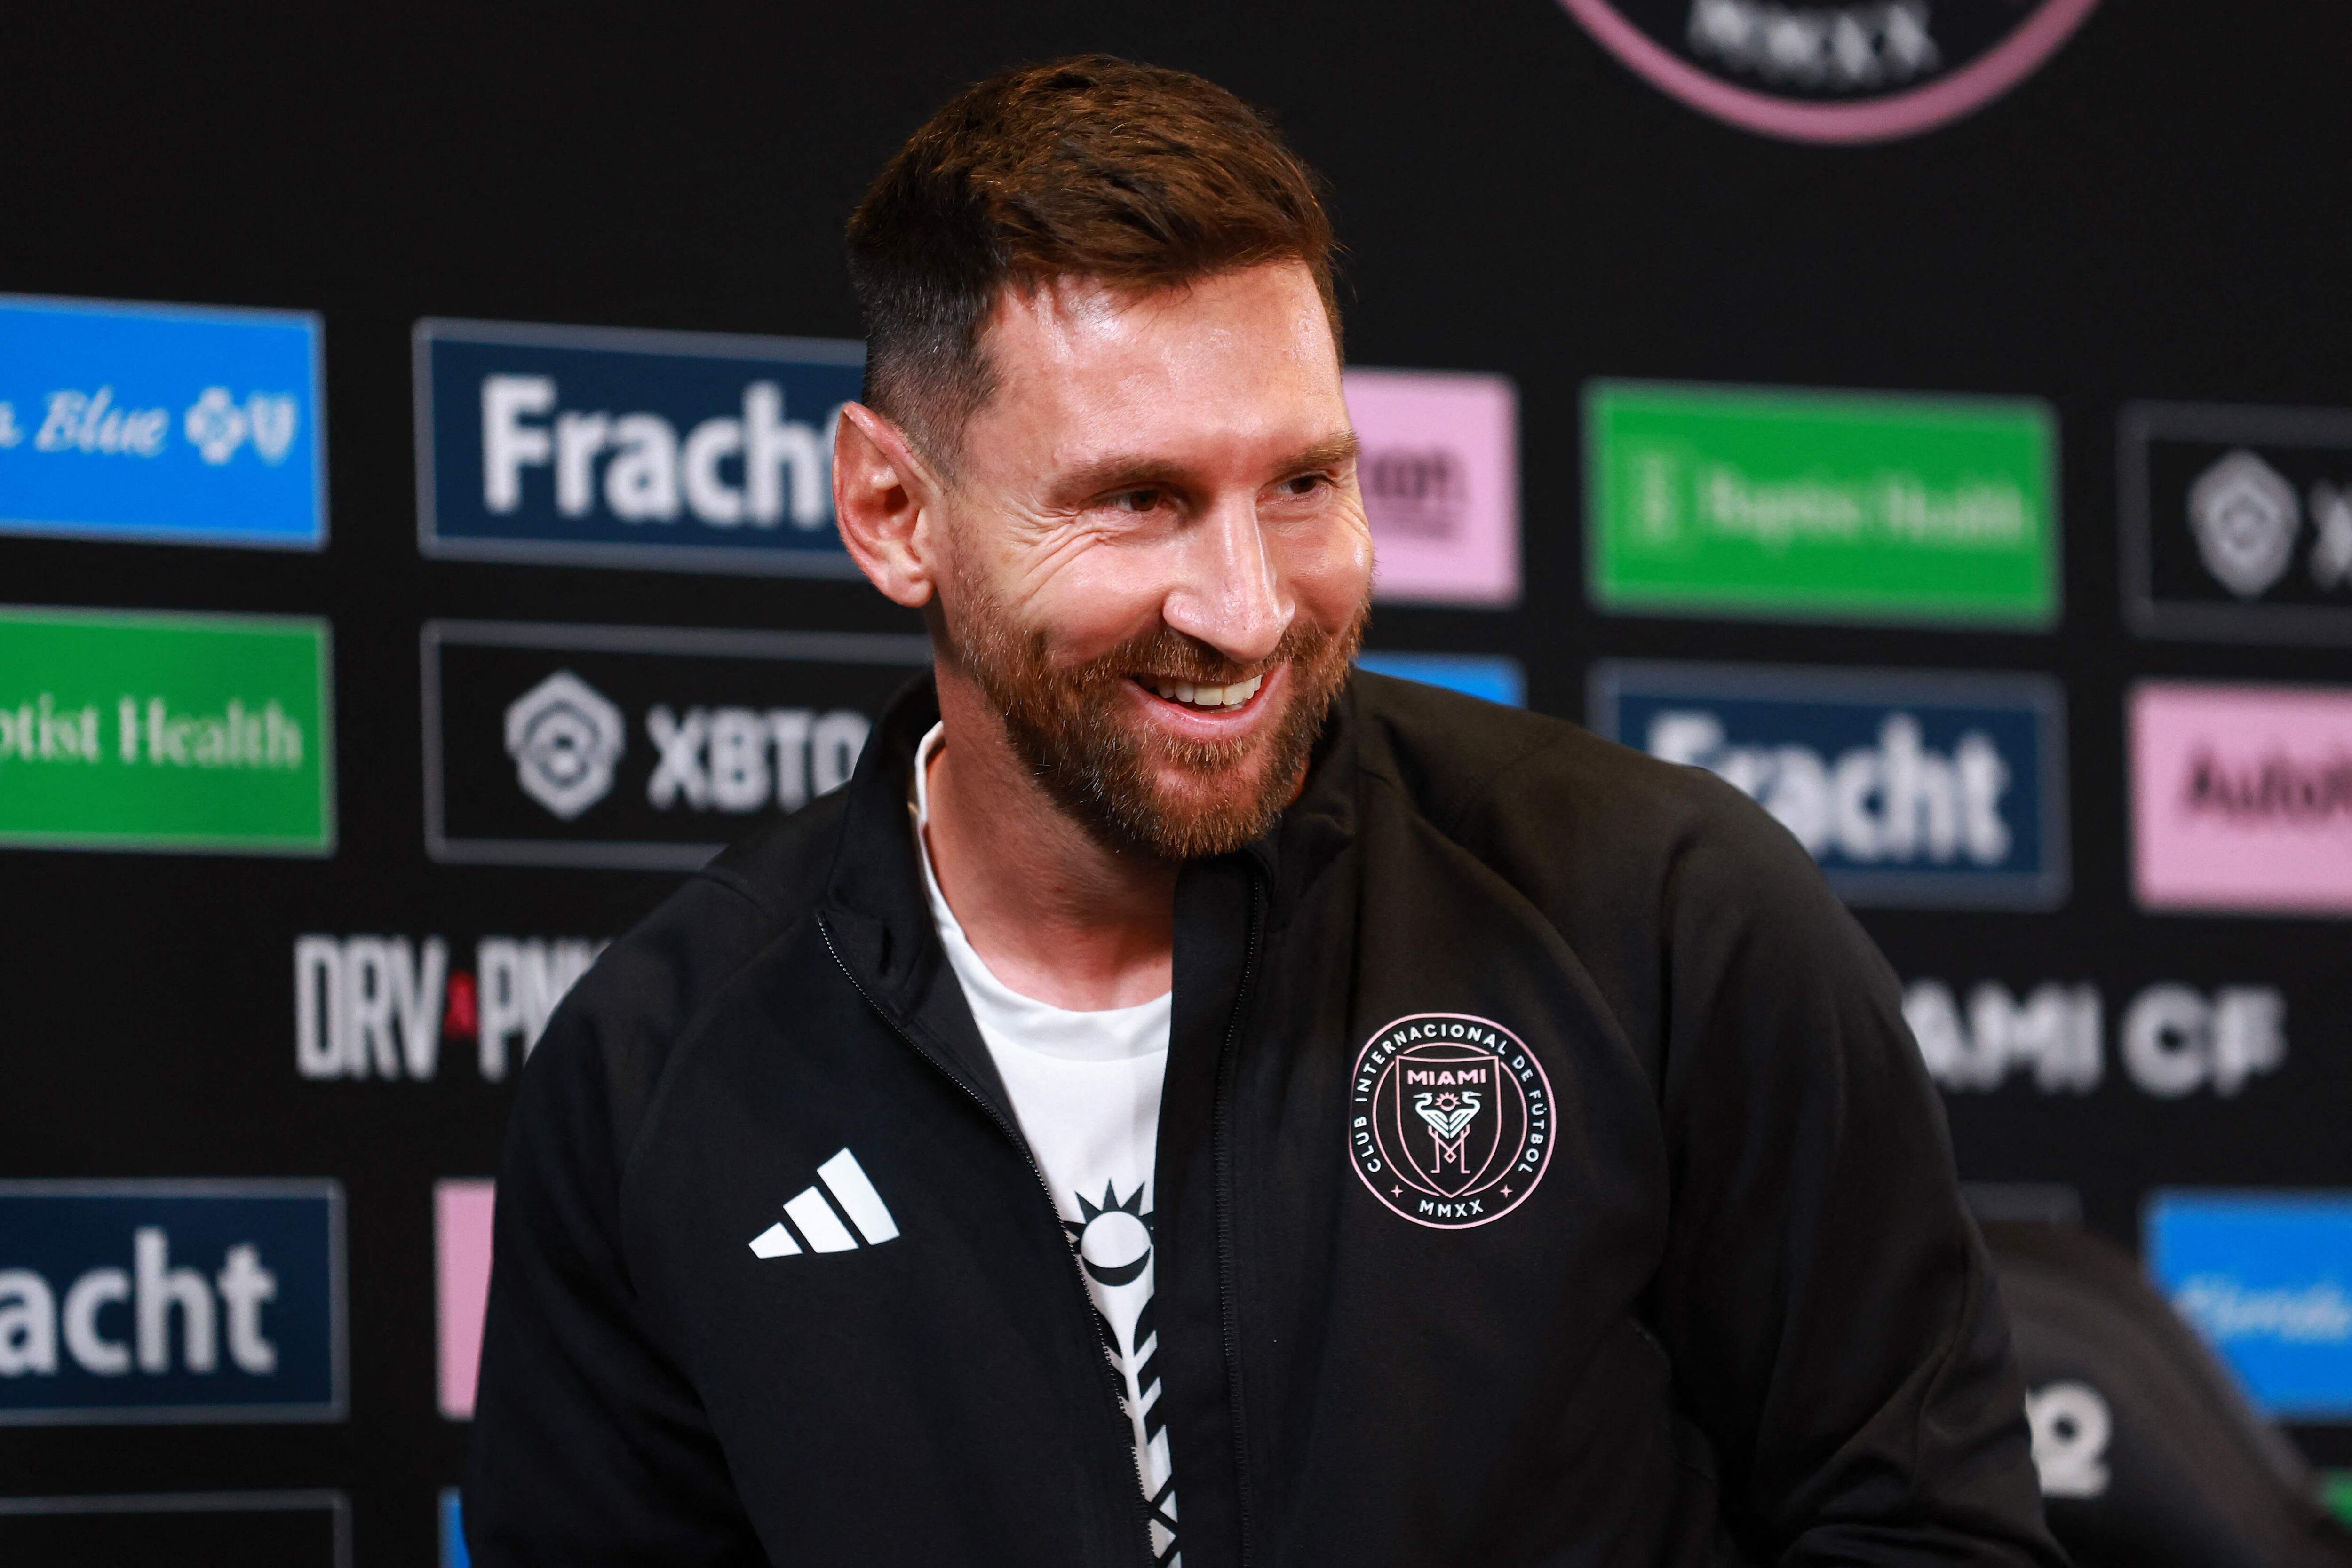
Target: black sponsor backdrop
x,y
2156,214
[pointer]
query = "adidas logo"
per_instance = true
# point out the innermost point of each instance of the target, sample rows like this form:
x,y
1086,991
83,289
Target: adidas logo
x,y
819,1222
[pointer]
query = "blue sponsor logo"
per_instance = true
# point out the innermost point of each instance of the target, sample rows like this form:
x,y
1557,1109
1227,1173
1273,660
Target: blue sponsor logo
x,y
680,451
160,423
2266,1278
1496,679
1912,790
171,1301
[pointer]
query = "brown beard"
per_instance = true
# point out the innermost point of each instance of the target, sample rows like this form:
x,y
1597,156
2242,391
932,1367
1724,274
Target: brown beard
x,y
1064,726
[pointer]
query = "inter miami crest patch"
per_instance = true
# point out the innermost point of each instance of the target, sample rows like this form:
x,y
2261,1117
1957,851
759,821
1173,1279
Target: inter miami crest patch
x,y
1451,1120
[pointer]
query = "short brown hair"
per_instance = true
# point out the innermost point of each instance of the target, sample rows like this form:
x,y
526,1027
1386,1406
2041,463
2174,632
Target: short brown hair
x,y
1092,166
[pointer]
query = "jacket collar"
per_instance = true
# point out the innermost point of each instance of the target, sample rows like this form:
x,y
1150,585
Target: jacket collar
x,y
1320,825
874,890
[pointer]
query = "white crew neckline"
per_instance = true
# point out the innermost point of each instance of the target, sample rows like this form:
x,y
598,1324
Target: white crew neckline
x,y
1102,1034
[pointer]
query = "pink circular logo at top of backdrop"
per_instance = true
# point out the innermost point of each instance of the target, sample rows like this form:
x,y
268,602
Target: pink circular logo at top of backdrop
x,y
1864,71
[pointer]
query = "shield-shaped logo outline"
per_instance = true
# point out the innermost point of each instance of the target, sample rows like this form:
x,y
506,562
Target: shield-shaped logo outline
x,y
1502,1106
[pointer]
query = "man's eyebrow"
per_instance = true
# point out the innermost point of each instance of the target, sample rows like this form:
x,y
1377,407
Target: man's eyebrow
x,y
1128,471
1331,452
1120,471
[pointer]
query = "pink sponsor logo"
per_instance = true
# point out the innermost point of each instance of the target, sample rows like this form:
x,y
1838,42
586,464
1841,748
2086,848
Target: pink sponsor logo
x,y
1440,481
461,1261
2242,798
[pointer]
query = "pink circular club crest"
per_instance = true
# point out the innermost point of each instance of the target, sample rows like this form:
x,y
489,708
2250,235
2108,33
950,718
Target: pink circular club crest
x,y
1841,72
1450,1119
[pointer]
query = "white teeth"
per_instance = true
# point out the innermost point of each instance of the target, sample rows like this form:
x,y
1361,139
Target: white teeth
x,y
1233,695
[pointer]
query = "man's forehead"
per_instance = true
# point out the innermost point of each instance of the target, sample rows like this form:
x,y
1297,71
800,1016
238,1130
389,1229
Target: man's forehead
x,y
1089,367
1071,315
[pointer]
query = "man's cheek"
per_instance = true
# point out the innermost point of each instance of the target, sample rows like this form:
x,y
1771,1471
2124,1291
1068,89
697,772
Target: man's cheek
x,y
1334,573
1081,633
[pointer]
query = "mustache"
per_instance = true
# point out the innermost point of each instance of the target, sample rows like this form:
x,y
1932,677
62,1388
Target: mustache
x,y
1169,654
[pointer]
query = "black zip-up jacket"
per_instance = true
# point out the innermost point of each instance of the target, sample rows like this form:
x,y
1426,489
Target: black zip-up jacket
x,y
1695,1285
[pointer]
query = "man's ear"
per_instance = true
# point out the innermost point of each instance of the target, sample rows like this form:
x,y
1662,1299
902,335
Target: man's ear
x,y
887,501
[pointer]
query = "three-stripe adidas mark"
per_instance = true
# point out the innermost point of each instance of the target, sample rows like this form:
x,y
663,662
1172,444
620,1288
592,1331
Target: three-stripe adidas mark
x,y
819,1225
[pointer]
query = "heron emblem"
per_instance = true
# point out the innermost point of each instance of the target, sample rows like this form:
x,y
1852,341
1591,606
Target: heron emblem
x,y
1448,1115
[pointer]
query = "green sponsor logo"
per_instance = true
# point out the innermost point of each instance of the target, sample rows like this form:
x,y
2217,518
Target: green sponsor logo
x,y
128,731
1848,505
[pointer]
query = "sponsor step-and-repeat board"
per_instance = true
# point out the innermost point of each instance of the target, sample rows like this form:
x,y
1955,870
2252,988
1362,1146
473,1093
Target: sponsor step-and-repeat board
x,y
310,831
628,746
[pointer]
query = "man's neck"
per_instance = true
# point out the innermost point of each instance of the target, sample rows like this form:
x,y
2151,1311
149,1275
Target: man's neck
x,y
1054,914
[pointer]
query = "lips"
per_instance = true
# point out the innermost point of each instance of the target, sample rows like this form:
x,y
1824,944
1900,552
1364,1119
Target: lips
x,y
1200,697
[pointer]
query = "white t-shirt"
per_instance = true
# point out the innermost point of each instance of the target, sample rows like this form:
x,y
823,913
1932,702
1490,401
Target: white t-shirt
x,y
1086,1089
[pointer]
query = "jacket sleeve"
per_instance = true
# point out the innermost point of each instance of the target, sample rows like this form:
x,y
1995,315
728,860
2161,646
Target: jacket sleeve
x,y
588,1444
1826,1298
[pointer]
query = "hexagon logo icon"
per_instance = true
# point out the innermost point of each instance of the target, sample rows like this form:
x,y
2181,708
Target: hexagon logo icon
x,y
564,738
2245,517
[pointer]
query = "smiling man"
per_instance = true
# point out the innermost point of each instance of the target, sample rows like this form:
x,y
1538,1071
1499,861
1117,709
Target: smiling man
x,y
1182,1100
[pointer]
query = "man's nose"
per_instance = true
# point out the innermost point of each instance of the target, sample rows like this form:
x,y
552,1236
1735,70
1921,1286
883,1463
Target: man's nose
x,y
1230,595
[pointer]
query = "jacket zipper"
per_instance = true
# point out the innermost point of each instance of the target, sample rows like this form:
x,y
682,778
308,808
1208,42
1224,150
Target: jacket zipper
x,y
1228,1297
1114,1381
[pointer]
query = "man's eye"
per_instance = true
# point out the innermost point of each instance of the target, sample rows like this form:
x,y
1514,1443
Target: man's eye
x,y
1303,484
1138,500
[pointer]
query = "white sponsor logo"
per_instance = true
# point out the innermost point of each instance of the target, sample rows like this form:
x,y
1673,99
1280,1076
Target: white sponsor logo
x,y
2245,518
378,1006
2174,1039
2071,1426
1847,48
1897,802
1777,513
2054,1032
818,1223
2224,1310
647,472
90,421
740,759
39,730
216,1312
564,738
217,425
